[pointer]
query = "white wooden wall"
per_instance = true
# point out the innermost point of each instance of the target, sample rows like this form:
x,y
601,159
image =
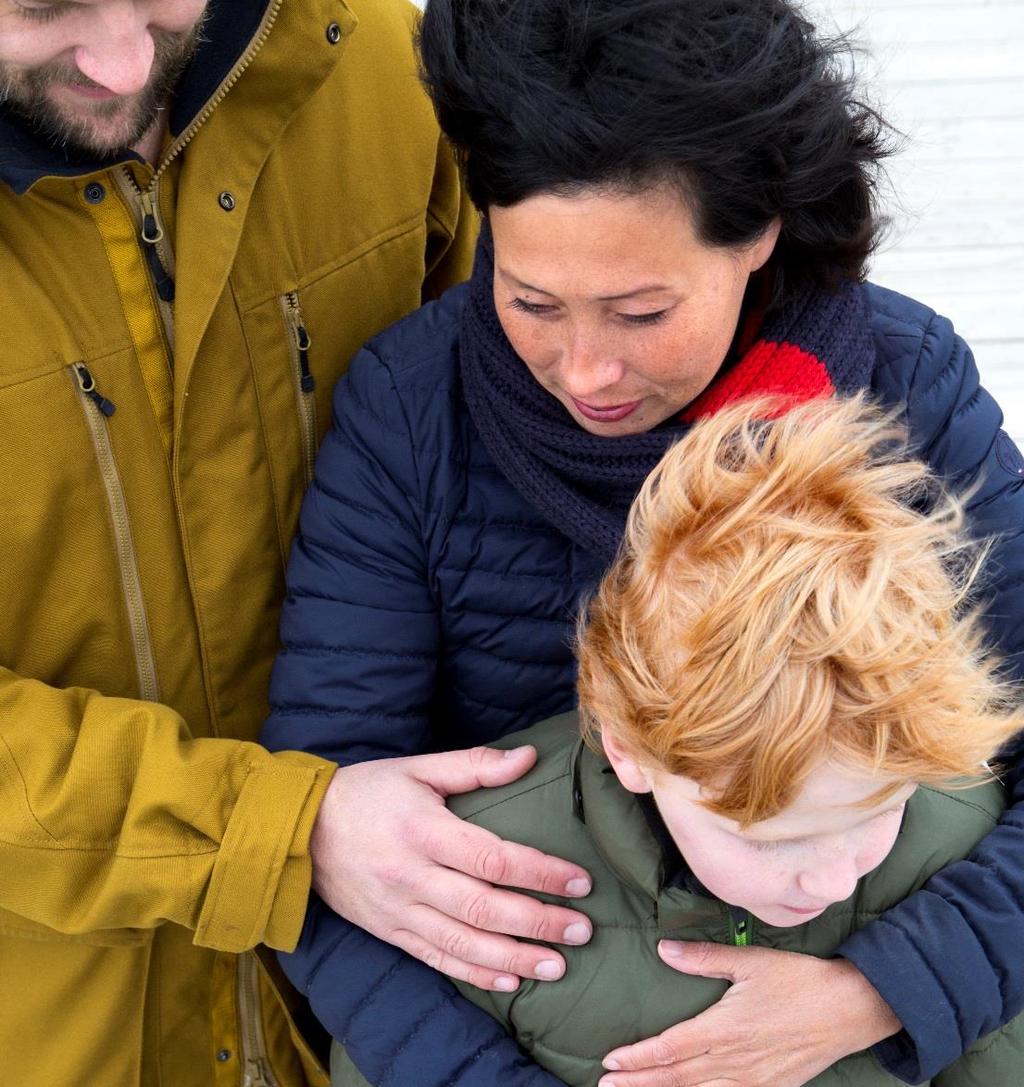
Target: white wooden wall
x,y
950,75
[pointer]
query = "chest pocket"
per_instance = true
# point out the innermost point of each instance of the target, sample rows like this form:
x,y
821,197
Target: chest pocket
x,y
69,579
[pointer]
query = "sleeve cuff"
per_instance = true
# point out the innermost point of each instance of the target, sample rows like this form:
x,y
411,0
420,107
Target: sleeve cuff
x,y
260,881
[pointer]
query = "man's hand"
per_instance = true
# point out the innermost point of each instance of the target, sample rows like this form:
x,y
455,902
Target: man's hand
x,y
786,1018
388,856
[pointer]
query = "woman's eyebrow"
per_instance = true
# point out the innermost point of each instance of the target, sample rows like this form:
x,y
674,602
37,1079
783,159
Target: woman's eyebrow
x,y
647,288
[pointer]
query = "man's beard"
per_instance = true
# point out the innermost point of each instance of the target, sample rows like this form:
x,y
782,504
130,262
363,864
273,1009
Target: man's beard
x,y
23,92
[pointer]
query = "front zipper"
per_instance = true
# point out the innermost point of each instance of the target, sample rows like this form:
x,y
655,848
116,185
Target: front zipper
x,y
741,927
152,235
256,1071
97,410
158,258
305,383
255,44
144,207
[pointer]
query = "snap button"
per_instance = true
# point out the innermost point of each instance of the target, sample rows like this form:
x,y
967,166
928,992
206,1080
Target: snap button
x,y
226,201
94,193
223,1055
333,33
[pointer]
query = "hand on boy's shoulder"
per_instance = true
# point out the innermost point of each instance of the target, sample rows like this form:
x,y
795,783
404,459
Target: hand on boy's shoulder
x,y
554,740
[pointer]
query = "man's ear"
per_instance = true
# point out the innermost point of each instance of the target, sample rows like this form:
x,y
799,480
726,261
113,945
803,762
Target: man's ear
x,y
632,774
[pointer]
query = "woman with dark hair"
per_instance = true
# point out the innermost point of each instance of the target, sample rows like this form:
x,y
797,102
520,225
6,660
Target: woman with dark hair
x,y
678,207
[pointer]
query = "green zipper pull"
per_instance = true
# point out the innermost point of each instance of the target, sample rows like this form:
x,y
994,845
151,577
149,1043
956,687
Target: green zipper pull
x,y
741,927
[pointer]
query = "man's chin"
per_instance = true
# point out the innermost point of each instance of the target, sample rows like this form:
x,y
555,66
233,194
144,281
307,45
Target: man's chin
x,y
84,124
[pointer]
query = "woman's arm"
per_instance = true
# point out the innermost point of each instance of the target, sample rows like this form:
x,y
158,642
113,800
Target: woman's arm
x,y
355,682
947,960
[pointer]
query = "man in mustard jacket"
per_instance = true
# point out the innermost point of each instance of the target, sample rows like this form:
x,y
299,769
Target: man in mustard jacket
x,y
173,319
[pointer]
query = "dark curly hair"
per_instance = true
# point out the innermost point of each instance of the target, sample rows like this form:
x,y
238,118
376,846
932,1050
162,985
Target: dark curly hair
x,y
737,102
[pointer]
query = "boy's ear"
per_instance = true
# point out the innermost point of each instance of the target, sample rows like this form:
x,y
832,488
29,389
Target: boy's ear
x,y
632,774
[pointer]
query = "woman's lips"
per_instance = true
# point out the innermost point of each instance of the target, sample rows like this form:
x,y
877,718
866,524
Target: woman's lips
x,y
610,414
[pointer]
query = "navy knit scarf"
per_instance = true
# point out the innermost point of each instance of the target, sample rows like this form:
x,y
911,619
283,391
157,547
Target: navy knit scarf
x,y
817,344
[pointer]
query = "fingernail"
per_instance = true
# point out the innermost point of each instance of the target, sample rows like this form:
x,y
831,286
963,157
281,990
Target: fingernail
x,y
576,933
578,887
671,948
611,1064
606,1083
511,752
549,970
506,984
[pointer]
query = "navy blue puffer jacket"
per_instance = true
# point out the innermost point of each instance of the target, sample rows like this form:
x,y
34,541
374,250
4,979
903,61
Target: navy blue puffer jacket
x,y
430,607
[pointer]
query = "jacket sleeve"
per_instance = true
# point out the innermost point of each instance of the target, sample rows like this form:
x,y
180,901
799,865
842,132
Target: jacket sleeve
x,y
355,680
115,818
947,959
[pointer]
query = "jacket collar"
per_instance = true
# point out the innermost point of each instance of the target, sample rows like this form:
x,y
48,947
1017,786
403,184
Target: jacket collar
x,y
230,28
623,835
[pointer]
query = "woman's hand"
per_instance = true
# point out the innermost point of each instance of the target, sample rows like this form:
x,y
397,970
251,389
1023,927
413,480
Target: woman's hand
x,y
389,856
785,1018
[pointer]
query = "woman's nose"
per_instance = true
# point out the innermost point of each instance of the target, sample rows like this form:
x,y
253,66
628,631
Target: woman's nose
x,y
588,367
118,52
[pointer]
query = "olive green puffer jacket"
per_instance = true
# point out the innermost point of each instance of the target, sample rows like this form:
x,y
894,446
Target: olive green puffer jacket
x,y
616,990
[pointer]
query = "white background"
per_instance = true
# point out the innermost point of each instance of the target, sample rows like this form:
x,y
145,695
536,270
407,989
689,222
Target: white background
x,y
950,75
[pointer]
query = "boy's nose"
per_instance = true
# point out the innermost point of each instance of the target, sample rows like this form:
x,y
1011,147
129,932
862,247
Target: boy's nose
x,y
831,879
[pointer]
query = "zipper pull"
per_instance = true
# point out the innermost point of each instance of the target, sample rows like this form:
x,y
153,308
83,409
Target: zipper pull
x,y
302,341
307,381
152,233
255,1074
88,386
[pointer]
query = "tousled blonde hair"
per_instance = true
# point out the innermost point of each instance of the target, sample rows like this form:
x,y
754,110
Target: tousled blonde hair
x,y
781,599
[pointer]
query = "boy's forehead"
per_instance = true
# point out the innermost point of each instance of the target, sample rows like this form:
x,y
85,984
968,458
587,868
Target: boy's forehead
x,y
834,797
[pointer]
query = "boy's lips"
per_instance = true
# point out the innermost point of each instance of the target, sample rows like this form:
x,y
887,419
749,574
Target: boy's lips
x,y
605,414
805,912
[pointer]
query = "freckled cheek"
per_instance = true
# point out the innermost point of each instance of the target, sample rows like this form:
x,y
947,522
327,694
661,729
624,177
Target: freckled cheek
x,y
873,852
536,346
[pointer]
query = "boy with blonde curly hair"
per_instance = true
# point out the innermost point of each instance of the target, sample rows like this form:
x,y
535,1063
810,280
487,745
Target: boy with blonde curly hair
x,y
788,716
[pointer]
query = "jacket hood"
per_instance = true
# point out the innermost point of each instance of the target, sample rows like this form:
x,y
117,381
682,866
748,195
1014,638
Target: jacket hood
x,y
26,155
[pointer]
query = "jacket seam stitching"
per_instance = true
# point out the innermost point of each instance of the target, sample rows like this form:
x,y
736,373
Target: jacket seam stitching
x,y
561,776
309,649
305,593
384,237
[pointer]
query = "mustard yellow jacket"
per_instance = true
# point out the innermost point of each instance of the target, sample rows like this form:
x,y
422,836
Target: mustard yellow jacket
x,y
153,454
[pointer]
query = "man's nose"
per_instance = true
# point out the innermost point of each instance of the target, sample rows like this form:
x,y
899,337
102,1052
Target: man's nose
x,y
118,54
